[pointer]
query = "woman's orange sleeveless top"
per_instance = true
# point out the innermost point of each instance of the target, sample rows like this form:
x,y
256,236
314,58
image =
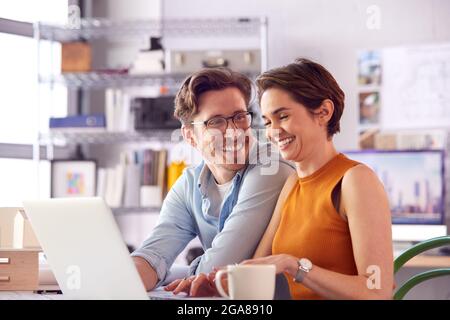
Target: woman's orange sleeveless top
x,y
310,226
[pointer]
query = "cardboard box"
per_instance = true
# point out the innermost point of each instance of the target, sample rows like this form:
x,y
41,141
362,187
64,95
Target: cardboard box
x,y
76,57
19,269
19,252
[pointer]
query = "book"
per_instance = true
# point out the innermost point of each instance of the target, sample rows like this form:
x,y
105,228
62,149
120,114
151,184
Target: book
x,y
162,170
109,109
124,113
109,189
118,110
148,167
78,121
132,181
154,174
132,185
101,183
118,187
118,102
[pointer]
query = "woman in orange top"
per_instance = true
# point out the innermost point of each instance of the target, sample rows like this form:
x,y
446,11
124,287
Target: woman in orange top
x,y
331,230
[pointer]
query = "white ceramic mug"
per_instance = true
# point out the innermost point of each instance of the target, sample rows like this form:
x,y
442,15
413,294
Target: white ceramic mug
x,y
248,282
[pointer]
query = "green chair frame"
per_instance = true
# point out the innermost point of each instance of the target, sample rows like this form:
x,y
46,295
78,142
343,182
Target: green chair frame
x,y
421,277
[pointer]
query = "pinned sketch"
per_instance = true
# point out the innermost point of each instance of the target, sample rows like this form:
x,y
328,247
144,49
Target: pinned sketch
x,y
416,87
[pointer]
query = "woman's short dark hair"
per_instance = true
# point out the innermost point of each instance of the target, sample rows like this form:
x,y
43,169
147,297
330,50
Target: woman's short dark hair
x,y
308,83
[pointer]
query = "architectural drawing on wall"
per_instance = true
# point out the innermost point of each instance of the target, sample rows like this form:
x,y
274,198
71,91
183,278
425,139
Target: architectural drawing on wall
x,y
416,87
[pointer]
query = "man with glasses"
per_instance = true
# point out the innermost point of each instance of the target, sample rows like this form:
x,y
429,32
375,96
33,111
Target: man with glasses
x,y
228,200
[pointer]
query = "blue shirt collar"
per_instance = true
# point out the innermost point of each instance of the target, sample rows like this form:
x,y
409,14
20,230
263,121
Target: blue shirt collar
x,y
203,174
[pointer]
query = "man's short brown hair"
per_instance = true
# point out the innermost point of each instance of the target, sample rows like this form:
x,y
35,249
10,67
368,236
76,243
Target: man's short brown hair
x,y
308,83
186,100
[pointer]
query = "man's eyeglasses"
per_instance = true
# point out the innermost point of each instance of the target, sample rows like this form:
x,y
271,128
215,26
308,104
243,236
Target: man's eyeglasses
x,y
241,120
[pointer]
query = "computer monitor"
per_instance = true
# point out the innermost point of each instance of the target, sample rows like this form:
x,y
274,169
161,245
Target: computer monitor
x,y
415,185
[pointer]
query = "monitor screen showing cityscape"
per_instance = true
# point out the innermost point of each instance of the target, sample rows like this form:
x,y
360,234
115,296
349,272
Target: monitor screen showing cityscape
x,y
413,180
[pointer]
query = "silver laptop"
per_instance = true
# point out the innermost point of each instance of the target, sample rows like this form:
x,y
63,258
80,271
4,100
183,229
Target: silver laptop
x,y
84,248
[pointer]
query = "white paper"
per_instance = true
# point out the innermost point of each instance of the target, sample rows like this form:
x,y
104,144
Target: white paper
x,y
416,87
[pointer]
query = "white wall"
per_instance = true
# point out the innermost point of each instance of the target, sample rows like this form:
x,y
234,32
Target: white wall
x,y
127,10
330,32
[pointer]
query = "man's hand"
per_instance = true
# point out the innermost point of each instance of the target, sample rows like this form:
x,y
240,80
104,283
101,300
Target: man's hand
x,y
147,273
201,285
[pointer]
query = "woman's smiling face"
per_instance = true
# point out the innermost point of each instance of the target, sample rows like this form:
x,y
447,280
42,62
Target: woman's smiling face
x,y
290,125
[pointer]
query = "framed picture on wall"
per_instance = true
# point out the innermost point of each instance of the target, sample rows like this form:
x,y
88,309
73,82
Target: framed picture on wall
x,y
369,108
369,68
73,178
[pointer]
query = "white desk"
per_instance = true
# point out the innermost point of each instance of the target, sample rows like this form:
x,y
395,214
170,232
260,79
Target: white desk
x,y
22,295
157,294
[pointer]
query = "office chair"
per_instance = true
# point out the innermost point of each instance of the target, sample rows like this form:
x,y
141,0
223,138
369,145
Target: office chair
x,y
421,277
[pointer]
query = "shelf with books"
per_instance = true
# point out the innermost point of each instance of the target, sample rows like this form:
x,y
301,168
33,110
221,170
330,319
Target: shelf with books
x,y
94,28
139,184
86,136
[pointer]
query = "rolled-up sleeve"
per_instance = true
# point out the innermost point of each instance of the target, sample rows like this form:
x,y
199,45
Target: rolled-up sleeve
x,y
247,222
174,230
